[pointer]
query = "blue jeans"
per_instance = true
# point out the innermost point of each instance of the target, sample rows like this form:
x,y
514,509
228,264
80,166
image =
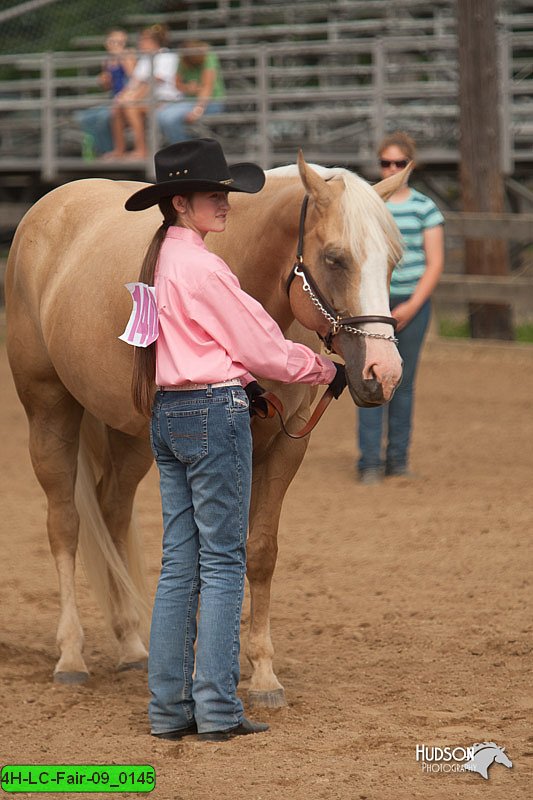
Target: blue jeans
x,y
171,118
202,444
395,416
97,123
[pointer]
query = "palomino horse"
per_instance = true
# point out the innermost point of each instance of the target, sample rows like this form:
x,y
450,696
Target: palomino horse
x,y
66,305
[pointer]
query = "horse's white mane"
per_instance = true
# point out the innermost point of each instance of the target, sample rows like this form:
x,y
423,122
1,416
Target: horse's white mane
x,y
361,228
486,746
291,171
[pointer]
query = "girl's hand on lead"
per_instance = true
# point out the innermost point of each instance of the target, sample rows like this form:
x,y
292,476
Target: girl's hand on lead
x,y
254,391
338,384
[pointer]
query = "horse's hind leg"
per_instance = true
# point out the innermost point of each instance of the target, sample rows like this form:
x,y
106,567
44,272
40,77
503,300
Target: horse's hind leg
x,y
126,461
271,479
54,421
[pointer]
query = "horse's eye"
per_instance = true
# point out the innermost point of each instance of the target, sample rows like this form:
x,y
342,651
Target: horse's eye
x,y
335,262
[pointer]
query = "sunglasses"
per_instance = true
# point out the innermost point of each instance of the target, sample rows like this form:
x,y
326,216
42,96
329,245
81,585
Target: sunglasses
x,y
384,162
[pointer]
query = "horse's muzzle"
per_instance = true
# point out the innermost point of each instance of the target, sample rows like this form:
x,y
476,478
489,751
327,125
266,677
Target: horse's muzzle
x,y
373,369
367,394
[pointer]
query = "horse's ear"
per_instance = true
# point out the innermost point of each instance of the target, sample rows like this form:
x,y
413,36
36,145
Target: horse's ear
x,y
387,187
313,183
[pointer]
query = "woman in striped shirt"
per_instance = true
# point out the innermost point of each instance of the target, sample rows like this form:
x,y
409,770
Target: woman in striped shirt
x,y
413,281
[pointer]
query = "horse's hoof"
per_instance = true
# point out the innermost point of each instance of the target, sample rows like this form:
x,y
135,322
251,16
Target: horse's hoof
x,y
273,699
71,677
142,664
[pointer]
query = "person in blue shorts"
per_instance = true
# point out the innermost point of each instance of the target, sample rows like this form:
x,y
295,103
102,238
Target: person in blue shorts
x,y
99,122
384,432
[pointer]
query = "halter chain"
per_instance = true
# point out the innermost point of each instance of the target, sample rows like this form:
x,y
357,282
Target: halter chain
x,y
337,322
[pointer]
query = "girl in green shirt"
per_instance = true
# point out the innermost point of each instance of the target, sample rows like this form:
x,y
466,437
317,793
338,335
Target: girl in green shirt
x,y
200,82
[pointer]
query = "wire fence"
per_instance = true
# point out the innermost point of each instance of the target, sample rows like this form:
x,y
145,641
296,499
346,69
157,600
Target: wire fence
x,y
335,96
47,26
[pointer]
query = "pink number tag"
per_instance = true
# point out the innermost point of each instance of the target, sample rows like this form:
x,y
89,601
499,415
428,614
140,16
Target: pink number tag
x,y
143,325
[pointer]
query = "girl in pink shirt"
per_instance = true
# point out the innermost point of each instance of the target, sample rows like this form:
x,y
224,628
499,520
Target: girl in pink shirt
x,y
212,337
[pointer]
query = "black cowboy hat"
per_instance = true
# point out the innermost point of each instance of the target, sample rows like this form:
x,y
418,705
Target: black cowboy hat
x,y
196,165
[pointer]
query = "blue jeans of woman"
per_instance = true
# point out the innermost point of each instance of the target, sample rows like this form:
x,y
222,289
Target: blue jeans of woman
x,y
395,416
96,122
172,122
202,444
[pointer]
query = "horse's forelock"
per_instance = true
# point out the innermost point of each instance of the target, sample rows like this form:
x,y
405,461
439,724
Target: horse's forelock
x,y
362,230
368,224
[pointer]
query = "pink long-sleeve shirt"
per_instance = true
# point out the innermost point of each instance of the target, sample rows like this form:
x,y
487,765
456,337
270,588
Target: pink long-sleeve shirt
x,y
210,330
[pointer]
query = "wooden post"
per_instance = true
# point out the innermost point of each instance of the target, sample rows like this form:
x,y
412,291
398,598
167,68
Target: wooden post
x,y
482,185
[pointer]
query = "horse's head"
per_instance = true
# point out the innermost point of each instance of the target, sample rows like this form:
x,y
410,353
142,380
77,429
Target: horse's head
x,y
484,754
503,758
351,244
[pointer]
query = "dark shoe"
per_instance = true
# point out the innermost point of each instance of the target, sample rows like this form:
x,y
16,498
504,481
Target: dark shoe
x,y
244,729
400,472
191,730
371,475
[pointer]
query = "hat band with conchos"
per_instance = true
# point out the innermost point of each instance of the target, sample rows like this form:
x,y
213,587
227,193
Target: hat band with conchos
x,y
196,165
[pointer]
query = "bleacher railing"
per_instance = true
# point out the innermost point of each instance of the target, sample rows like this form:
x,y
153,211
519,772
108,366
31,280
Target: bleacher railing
x,y
333,99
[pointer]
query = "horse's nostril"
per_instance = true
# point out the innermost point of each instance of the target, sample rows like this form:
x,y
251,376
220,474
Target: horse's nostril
x,y
373,388
370,373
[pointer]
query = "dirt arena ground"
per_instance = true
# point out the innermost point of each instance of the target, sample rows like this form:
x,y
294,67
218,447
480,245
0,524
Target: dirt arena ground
x,y
401,613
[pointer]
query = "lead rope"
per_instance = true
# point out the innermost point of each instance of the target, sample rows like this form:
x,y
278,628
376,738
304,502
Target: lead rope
x,y
268,404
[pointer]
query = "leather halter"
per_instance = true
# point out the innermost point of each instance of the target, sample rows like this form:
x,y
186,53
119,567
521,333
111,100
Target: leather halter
x,y
337,322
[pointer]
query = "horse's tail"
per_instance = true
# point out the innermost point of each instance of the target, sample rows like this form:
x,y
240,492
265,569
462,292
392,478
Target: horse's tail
x,y
105,569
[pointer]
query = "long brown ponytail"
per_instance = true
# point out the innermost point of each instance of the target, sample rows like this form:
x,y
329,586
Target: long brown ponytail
x,y
143,377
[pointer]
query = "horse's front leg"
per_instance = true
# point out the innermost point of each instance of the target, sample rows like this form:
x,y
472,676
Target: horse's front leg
x,y
272,476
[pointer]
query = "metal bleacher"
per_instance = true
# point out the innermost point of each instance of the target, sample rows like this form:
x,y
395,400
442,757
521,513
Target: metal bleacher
x,y
330,76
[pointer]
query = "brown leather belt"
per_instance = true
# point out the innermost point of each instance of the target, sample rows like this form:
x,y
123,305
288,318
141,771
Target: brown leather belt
x,y
190,387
